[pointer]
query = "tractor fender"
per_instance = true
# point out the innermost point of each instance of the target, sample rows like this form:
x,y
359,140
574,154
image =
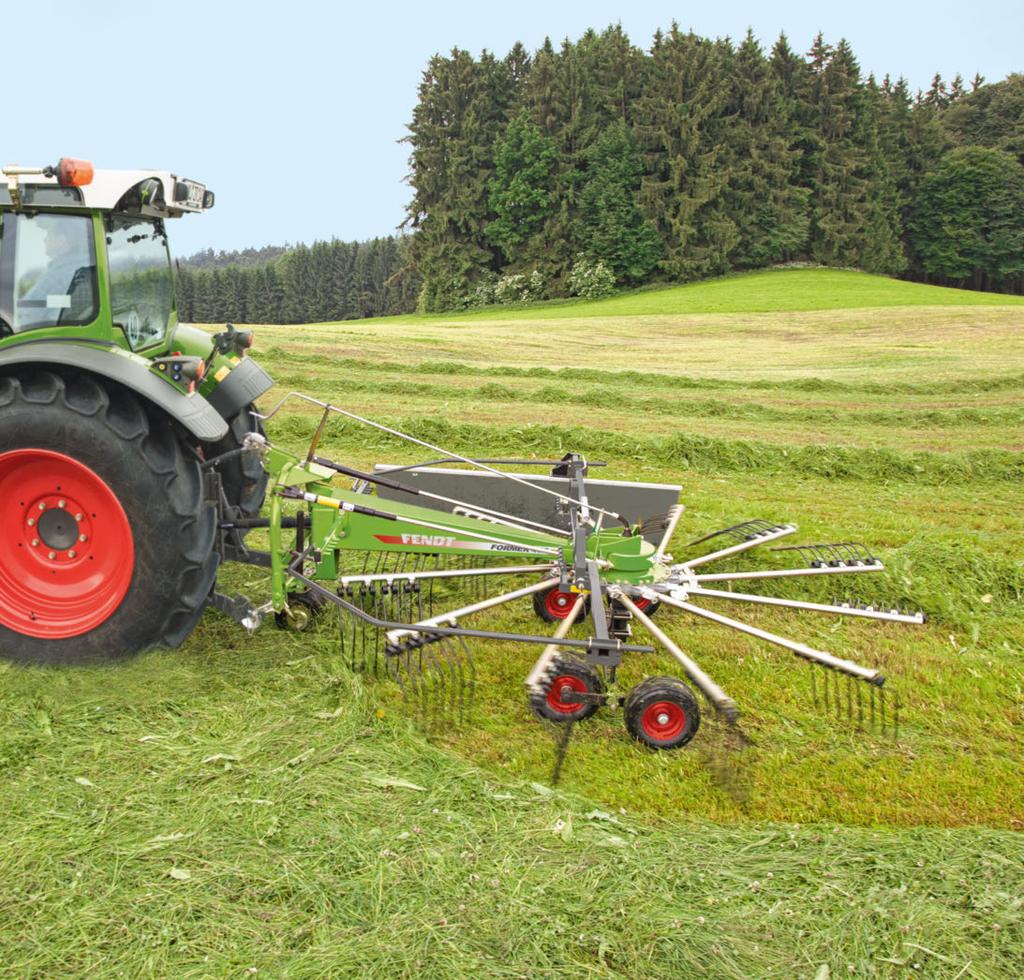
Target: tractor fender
x,y
109,361
239,388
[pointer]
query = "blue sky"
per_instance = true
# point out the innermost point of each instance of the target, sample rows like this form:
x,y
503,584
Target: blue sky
x,y
291,112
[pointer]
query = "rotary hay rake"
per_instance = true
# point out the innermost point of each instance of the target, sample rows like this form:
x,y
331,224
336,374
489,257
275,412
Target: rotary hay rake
x,y
386,565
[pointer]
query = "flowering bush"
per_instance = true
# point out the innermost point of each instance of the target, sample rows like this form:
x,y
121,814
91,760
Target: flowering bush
x,y
518,288
591,278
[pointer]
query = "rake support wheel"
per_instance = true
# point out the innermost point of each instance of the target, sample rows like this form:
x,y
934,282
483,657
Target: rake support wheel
x,y
662,713
554,605
569,676
303,610
106,538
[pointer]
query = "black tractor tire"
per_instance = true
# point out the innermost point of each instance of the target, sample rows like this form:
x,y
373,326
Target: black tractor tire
x,y
662,713
126,473
243,478
554,704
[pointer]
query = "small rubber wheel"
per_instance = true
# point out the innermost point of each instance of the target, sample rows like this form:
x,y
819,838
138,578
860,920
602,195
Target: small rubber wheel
x,y
569,676
662,712
554,605
647,606
303,610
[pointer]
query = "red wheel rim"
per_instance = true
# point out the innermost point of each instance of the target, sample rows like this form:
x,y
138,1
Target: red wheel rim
x,y
66,547
663,721
559,604
555,701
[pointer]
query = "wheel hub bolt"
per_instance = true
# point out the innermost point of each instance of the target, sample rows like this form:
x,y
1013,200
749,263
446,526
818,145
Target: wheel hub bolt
x,y
31,522
78,518
52,555
61,504
82,538
42,506
71,554
35,542
663,719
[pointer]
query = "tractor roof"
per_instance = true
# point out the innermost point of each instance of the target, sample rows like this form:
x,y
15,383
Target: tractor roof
x,y
157,193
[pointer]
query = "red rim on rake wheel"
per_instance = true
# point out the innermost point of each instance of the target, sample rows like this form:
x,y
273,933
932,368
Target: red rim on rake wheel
x,y
561,700
663,721
662,713
570,676
559,604
66,547
554,605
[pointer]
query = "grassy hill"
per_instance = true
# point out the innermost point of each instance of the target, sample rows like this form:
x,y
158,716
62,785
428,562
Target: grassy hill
x,y
251,805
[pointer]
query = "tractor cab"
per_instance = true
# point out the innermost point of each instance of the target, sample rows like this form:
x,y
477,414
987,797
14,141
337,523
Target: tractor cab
x,y
87,249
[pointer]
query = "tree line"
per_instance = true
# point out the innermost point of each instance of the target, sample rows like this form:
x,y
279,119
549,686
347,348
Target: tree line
x,y
697,157
594,164
308,284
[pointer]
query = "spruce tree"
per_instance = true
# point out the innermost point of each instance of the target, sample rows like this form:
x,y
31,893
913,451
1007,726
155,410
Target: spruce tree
x,y
462,108
966,227
678,122
763,196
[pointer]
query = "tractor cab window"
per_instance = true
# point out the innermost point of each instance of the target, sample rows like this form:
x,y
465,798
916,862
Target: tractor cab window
x,y
47,271
141,286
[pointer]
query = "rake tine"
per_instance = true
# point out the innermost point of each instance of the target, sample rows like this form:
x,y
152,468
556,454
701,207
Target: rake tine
x,y
444,680
469,669
394,669
458,658
434,688
455,681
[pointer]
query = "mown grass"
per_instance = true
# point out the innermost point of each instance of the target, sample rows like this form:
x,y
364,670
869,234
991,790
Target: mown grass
x,y
251,805
230,812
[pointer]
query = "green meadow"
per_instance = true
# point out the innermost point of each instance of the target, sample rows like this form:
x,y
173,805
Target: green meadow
x,y
251,806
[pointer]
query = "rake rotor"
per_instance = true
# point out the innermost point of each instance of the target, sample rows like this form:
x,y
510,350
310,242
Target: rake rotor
x,y
413,568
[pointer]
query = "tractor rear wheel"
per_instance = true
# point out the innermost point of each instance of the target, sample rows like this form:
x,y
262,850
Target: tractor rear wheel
x,y
106,539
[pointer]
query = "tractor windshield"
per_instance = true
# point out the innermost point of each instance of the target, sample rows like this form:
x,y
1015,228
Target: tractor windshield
x,y
141,285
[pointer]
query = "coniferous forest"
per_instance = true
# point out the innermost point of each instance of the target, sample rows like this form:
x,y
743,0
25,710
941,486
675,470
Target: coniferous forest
x,y
597,164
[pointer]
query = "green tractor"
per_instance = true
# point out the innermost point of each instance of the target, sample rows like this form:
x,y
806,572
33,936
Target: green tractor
x,y
109,409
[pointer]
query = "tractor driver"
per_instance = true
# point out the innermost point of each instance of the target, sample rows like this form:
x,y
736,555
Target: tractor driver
x,y
63,293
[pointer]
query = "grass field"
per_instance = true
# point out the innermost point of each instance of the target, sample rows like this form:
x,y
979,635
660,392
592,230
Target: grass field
x,y
243,807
